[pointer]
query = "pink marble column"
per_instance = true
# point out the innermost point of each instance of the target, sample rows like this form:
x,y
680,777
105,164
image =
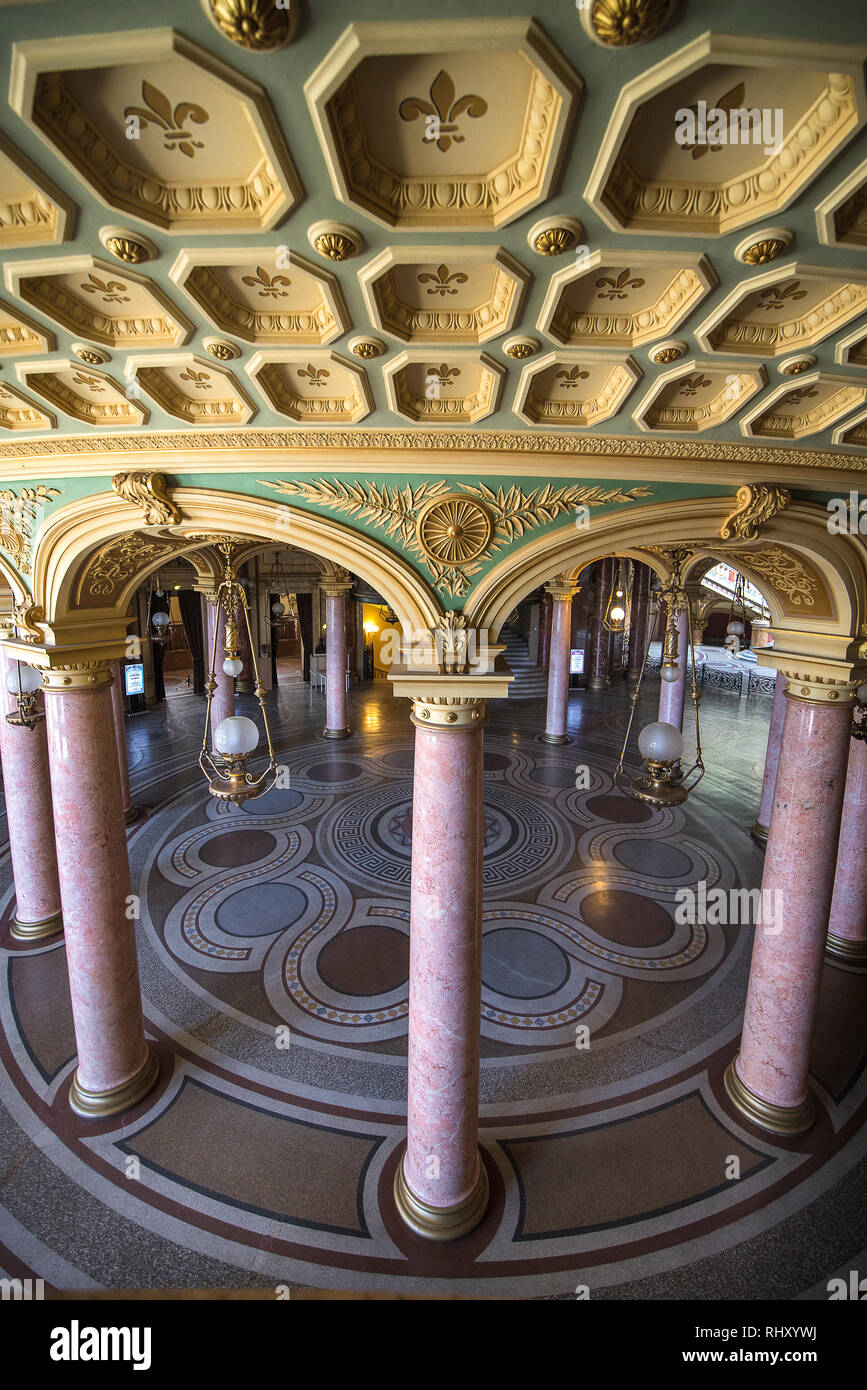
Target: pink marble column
x,y
130,813
640,610
441,1188
335,661
558,663
767,1081
116,1067
223,700
598,636
672,693
30,825
759,831
847,928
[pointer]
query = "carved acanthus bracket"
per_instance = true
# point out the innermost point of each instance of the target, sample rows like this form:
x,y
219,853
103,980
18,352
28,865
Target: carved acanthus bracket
x,y
757,503
26,615
150,492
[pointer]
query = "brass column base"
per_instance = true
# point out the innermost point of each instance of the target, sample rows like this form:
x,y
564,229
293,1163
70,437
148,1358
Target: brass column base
x,y
95,1105
779,1119
759,833
842,949
131,814
555,738
442,1223
36,931
336,733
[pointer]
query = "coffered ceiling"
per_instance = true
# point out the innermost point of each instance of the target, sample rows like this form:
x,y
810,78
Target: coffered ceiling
x,y
387,216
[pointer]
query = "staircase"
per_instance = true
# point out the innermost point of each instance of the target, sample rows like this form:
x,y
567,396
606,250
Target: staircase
x,y
531,682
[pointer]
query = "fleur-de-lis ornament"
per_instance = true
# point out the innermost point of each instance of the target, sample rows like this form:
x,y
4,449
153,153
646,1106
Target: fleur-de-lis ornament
x,y
803,393
201,380
732,98
619,288
693,384
442,111
572,377
92,383
442,281
317,376
271,284
109,289
443,373
160,113
775,296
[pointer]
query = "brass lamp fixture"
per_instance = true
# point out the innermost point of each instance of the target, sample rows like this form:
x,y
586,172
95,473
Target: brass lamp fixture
x,y
664,782
235,738
159,624
737,624
24,682
617,606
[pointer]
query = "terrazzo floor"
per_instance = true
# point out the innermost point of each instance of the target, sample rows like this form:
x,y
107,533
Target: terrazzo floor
x,y
273,950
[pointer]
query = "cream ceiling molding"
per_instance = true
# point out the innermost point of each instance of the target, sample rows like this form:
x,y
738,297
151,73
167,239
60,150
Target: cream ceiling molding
x,y
443,124
790,307
311,387
851,351
150,492
574,388
657,168
19,413
158,127
624,299
264,295
20,335
85,394
698,395
191,388
793,411
841,218
757,503
443,387
105,303
75,532
451,531
35,212
443,294
852,434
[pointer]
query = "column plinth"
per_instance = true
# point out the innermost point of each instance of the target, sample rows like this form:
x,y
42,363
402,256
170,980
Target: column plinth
x,y
767,1081
335,660
847,927
115,1065
30,824
760,829
558,663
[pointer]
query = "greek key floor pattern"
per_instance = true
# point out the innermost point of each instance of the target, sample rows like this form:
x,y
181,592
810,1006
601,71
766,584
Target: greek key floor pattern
x,y
274,952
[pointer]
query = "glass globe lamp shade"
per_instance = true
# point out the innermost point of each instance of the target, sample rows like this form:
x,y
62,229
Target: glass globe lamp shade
x,y
660,743
670,673
236,736
30,679
278,609
617,613
160,619
735,628
232,666
159,593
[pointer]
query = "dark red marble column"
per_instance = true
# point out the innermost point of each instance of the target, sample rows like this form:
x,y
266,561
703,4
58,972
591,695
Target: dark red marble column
x,y
639,617
546,610
599,638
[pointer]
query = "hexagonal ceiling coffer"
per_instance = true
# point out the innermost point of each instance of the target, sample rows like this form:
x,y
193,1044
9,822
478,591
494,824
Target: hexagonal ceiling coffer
x,y
109,305
191,388
445,388
18,413
19,334
443,124
158,127
33,212
617,300
724,132
91,397
464,294
787,309
696,396
815,403
312,388
264,296
574,388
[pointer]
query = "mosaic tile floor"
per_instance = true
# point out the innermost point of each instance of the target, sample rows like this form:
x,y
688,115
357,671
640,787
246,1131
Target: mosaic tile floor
x,y
273,948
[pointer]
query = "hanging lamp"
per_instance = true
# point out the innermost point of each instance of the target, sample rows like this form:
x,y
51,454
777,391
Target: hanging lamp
x,y
737,624
159,624
617,606
235,738
24,682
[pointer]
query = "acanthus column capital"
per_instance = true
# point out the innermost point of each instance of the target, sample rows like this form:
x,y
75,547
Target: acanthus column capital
x,y
77,675
335,588
561,591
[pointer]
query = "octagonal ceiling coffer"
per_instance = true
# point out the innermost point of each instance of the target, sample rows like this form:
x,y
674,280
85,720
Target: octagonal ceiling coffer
x,y
815,403
457,294
158,127
724,132
574,388
263,297
312,388
443,388
695,396
106,303
89,396
443,125
612,299
787,309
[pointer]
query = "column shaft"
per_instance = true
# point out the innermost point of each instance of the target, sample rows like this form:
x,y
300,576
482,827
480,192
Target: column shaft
x,y
335,666
115,1064
599,642
768,1079
558,672
223,701
672,693
639,620
759,831
30,824
847,928
546,610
